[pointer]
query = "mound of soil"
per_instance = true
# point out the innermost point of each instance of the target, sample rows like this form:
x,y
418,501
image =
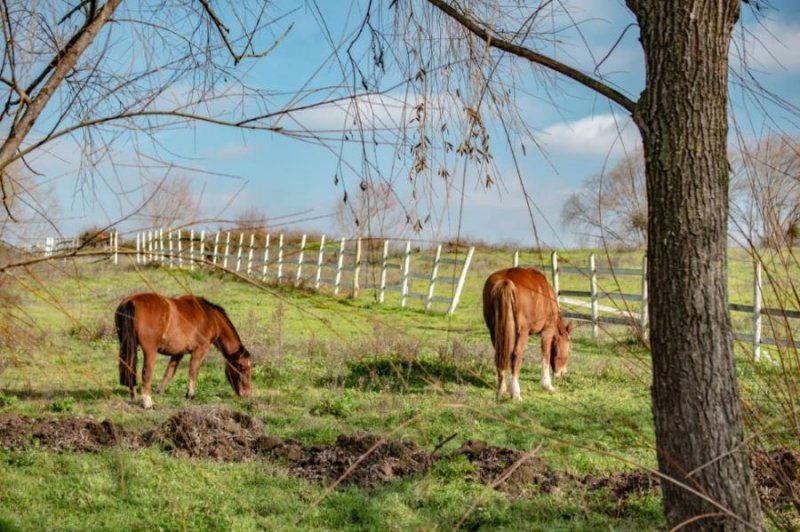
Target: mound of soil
x,y
362,459
523,475
209,432
68,434
623,485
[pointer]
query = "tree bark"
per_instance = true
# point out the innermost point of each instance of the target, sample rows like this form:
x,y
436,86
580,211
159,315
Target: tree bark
x,y
683,119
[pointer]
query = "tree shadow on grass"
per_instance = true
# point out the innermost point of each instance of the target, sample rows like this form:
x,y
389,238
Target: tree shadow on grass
x,y
399,374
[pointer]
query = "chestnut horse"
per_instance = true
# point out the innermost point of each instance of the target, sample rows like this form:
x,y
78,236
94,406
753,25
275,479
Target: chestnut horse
x,y
518,302
176,327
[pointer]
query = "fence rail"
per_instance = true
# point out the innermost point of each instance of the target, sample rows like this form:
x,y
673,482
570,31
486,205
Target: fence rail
x,y
626,315
343,265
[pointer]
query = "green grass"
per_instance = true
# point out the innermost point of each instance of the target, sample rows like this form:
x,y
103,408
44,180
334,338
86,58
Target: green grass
x,y
323,366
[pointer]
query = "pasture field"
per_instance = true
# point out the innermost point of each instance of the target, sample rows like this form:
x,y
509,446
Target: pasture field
x,y
330,375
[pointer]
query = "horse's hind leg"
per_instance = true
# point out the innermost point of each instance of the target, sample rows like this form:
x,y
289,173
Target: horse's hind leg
x,y
501,382
147,375
169,372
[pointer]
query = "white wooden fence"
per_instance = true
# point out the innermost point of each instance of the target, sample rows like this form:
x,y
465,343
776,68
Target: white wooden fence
x,y
623,308
624,313
342,265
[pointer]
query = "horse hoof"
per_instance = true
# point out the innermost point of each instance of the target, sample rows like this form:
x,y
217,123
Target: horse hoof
x,y
147,403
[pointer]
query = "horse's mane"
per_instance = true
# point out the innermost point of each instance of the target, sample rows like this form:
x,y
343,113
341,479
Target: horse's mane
x,y
222,311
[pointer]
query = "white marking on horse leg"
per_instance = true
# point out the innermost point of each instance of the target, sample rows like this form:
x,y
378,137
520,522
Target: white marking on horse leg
x,y
515,387
546,382
147,402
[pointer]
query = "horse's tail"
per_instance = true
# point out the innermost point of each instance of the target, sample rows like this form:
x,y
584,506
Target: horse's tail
x,y
504,301
128,343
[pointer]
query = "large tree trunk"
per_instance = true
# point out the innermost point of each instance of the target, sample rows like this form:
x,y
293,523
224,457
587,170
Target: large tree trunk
x,y
683,119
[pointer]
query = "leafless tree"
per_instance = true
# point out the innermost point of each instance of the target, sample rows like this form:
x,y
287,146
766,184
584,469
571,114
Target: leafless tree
x,y
373,210
106,74
170,203
611,209
251,220
765,190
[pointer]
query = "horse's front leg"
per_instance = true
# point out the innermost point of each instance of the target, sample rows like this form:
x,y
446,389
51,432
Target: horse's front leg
x,y
547,344
147,375
169,372
194,367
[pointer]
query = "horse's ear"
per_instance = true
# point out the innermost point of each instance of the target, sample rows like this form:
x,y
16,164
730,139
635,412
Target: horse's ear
x,y
570,326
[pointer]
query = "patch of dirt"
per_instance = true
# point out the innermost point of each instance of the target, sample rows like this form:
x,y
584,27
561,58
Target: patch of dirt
x,y
67,434
362,459
623,485
525,475
209,432
777,476
366,459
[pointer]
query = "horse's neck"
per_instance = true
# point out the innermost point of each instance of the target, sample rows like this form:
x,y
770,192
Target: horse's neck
x,y
228,340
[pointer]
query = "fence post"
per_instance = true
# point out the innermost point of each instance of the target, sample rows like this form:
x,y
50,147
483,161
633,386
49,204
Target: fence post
x,y
318,277
757,297
280,258
180,249
406,268
161,244
356,268
169,249
227,250
593,292
300,256
434,275
643,317
266,259
384,267
191,248
461,280
239,252
148,247
339,264
202,246
138,248
250,254
516,259
216,248
116,247
554,262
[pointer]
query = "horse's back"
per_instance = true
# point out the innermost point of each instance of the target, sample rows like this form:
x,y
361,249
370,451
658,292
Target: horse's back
x,y
535,298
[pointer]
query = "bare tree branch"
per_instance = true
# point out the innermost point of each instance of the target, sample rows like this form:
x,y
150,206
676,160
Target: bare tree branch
x,y
495,41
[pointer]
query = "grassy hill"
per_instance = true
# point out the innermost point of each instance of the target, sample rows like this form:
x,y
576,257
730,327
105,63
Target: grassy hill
x,y
325,369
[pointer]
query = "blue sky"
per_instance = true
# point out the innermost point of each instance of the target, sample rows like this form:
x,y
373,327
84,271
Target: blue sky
x,y
580,133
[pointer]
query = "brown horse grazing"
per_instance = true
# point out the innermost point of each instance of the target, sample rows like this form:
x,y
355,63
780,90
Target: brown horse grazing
x,y
176,327
518,302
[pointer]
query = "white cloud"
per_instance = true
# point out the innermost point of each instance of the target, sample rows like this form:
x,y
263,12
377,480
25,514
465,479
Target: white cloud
x,y
772,46
591,136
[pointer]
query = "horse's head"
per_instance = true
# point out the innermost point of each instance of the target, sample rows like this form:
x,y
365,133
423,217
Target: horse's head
x,y
238,371
559,355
